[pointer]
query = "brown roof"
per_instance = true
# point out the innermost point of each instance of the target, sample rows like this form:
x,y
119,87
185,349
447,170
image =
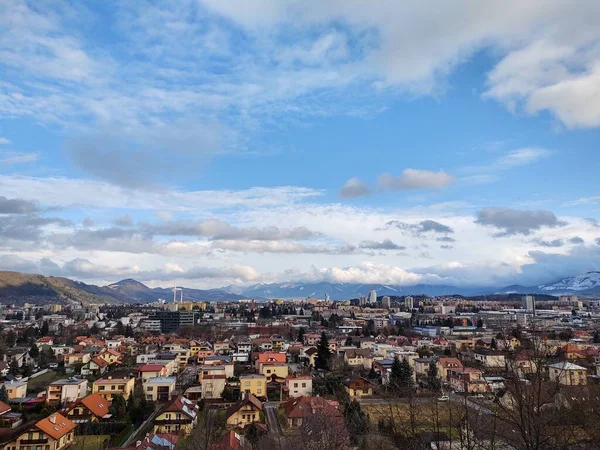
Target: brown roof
x,y
96,404
181,404
4,408
248,400
100,362
302,407
55,425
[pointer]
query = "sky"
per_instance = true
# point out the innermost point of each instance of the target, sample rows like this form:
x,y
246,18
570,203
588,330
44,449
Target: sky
x,y
227,142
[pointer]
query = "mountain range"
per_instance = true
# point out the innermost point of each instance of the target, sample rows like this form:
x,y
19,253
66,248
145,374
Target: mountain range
x,y
16,287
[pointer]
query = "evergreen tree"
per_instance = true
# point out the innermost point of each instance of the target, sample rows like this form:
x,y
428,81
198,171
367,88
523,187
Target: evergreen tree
x,y
406,379
252,433
118,406
323,353
432,377
400,376
596,337
349,341
45,330
128,331
13,367
395,375
479,323
34,351
356,420
372,374
493,344
94,330
301,333
120,329
3,394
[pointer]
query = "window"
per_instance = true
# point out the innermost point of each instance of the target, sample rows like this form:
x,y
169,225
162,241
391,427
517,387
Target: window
x,y
259,391
303,385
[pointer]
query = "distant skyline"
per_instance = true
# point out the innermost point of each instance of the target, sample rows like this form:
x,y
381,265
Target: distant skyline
x,y
212,143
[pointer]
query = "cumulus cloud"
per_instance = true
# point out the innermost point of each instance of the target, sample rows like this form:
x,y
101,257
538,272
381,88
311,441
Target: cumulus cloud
x,y
29,227
421,227
517,221
386,244
124,220
577,240
555,243
354,188
445,239
16,206
220,230
416,179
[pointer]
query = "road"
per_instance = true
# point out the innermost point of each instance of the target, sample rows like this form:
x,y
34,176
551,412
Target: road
x,y
273,420
391,401
476,406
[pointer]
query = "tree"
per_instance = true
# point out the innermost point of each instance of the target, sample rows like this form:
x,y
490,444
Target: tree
x,y
479,323
433,379
252,433
45,330
356,420
128,331
118,406
94,330
13,367
349,341
400,376
119,328
3,394
323,353
34,351
493,344
596,337
301,333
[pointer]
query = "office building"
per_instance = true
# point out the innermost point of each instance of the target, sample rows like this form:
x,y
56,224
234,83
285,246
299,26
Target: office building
x,y
409,303
373,297
173,320
386,302
363,300
529,302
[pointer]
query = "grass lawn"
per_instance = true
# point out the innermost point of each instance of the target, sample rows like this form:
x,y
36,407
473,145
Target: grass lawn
x,y
41,382
89,442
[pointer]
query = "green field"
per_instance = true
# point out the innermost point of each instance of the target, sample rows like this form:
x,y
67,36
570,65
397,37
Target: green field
x,y
89,442
42,382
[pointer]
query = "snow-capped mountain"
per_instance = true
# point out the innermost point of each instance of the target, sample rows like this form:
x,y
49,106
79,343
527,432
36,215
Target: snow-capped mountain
x,y
587,283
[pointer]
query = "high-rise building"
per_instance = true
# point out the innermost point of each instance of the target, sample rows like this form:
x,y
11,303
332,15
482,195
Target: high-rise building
x,y
373,297
529,302
173,320
409,303
386,302
362,301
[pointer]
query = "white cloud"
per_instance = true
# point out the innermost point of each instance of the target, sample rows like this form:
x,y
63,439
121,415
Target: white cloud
x,y
8,158
354,188
416,179
522,157
4,141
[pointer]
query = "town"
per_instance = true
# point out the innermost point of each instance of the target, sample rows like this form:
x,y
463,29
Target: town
x,y
377,372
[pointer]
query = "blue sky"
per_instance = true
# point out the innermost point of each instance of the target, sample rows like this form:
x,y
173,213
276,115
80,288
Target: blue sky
x,y
230,142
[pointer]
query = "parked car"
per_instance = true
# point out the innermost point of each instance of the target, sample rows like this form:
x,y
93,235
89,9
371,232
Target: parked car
x,y
443,398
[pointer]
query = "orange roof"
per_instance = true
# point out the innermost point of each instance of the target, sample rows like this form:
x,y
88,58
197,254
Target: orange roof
x,y
272,357
96,404
55,425
4,408
100,362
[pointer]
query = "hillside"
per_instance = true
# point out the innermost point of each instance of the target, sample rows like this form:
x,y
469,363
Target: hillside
x,y
38,289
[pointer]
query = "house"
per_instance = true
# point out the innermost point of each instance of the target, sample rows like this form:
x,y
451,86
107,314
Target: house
x,y
109,387
278,370
212,386
298,409
254,384
110,356
312,338
44,340
221,347
269,358
245,412
445,364
231,441
147,371
422,366
8,418
299,386
92,408
15,389
162,441
179,416
359,357
55,432
66,390
97,366
493,359
358,387
159,389
567,374
244,347
467,379
77,358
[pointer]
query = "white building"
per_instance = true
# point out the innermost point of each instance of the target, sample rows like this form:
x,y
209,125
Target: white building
x,y
373,297
409,303
529,302
386,302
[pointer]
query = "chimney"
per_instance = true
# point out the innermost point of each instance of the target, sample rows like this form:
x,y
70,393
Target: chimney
x,y
110,377
138,443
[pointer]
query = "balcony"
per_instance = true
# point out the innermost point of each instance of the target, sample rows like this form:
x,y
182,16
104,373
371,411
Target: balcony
x,y
33,441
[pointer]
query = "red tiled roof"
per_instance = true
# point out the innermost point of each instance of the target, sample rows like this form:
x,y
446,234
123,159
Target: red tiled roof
x,y
55,425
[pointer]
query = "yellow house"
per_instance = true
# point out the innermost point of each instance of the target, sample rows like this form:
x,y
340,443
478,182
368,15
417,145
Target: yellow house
x,y
567,374
254,384
110,356
245,412
109,387
16,389
278,369
359,387
55,432
77,358
179,416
